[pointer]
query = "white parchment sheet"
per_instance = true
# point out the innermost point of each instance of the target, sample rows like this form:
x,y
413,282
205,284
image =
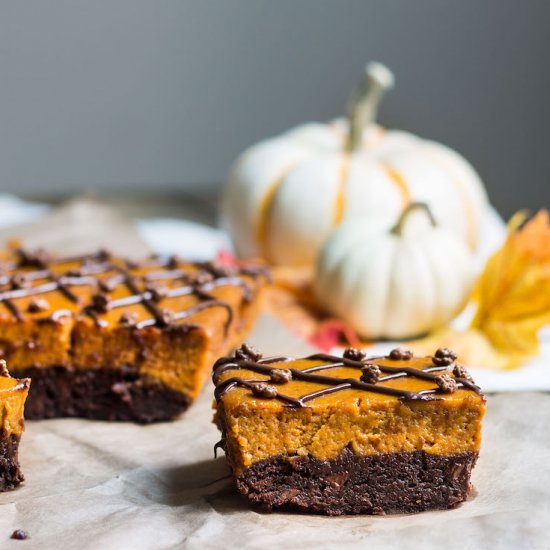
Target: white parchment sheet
x,y
96,485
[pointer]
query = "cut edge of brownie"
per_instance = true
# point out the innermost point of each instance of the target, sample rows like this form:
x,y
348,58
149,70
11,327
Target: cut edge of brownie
x,y
405,482
121,394
10,471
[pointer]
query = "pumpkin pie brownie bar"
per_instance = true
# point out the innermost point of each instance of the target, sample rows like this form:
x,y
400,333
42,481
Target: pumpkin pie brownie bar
x,y
13,394
349,435
106,338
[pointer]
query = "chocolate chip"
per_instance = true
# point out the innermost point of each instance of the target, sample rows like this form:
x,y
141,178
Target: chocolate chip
x,y
107,285
354,354
460,372
173,262
445,383
166,317
4,369
37,258
220,270
370,373
400,354
19,534
128,319
444,357
132,264
248,352
20,281
202,278
100,302
158,292
38,305
280,376
261,389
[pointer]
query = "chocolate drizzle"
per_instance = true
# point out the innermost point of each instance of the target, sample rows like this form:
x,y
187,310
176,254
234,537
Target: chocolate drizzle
x,y
105,275
369,379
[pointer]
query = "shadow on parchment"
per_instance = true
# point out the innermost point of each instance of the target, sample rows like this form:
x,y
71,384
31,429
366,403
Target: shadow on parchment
x,y
206,481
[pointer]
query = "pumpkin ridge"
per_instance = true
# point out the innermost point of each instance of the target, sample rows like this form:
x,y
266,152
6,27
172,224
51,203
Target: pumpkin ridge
x,y
399,181
266,207
340,202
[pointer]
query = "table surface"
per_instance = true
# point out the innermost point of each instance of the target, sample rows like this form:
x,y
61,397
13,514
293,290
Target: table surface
x,y
93,485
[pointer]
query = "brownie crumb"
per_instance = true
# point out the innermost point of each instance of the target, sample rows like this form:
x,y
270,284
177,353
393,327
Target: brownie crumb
x,y
354,354
400,354
445,383
248,352
19,534
261,389
370,373
280,376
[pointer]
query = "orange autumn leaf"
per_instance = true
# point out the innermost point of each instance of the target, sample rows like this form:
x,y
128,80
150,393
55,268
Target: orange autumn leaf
x,y
513,292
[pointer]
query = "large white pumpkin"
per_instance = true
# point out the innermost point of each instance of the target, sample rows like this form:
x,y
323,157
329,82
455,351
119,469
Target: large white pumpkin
x,y
394,282
286,194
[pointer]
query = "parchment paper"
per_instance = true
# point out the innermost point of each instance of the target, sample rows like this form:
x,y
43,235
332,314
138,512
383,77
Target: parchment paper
x,y
97,485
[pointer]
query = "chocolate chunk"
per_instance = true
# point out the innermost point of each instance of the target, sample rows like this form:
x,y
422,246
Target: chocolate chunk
x,y
248,353
280,376
36,258
107,285
166,317
74,272
38,305
370,373
220,270
4,369
446,383
201,278
444,357
128,319
460,372
20,281
400,354
261,389
354,354
19,534
100,303
158,292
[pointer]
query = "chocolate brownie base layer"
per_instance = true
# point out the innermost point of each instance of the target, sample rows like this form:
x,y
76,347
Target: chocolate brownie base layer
x,y
350,484
100,394
10,473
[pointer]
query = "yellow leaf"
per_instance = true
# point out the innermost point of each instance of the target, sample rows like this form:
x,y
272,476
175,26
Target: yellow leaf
x,y
513,292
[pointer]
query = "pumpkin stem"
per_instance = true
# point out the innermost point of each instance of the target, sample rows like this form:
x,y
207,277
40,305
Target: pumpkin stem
x,y
397,229
364,103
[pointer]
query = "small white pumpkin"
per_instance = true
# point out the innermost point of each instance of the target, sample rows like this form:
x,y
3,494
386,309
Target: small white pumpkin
x,y
286,194
394,282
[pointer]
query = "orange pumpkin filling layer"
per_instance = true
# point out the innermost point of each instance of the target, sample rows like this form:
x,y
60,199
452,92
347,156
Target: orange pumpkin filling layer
x,y
321,405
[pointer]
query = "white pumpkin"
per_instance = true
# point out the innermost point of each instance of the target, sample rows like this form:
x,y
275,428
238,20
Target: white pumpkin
x,y
394,282
285,195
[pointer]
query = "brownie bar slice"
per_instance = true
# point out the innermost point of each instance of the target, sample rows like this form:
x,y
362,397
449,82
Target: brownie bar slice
x,y
111,339
349,435
13,394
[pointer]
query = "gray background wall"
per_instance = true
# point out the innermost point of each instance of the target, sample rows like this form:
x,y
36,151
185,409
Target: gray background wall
x,y
106,93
